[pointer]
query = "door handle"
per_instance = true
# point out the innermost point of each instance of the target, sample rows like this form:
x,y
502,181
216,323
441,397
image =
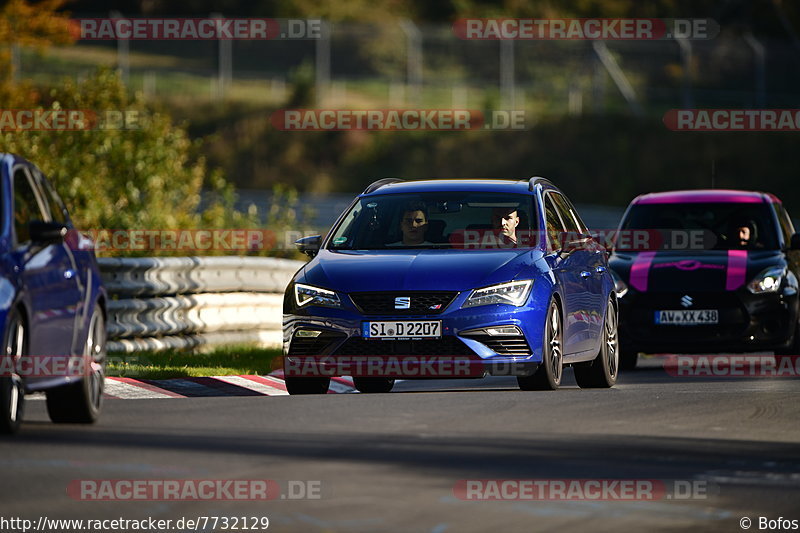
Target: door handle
x,y
586,274
600,270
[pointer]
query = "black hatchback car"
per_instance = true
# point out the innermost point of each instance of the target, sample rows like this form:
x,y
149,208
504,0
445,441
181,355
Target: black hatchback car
x,y
714,270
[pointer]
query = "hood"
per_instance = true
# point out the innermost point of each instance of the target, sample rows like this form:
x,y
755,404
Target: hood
x,y
708,271
394,270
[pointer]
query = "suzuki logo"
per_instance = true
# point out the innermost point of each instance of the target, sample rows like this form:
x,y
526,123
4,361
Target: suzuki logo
x,y
402,302
687,301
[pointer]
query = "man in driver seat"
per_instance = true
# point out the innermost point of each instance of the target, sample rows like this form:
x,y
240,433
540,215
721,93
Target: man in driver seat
x,y
413,225
743,235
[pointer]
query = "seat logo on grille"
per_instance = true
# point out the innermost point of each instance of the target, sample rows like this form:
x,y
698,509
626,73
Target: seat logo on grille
x,y
687,301
402,302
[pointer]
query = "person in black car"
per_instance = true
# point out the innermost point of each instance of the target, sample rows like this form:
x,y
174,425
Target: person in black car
x,y
744,235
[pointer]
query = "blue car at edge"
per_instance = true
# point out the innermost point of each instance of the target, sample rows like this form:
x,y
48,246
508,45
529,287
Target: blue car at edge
x,y
52,303
431,268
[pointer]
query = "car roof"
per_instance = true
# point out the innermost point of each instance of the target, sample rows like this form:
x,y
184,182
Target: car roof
x,y
15,159
518,186
710,196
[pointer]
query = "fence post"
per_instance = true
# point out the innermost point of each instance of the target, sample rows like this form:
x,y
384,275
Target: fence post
x,y
413,60
759,57
123,49
224,62
16,63
507,74
686,60
616,73
322,68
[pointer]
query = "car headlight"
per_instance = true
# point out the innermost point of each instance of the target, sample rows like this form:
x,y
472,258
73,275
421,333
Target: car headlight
x,y
307,295
511,293
767,281
620,287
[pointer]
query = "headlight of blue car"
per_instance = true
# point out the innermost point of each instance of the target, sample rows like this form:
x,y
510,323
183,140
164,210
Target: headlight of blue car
x,y
512,293
307,295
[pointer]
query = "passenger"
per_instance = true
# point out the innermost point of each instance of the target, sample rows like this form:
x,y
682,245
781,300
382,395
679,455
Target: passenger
x,y
506,219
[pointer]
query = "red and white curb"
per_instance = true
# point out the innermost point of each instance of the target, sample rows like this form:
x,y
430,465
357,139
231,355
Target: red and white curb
x,y
272,385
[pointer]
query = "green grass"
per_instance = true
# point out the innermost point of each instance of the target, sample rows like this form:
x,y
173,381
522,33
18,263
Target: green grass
x,y
223,361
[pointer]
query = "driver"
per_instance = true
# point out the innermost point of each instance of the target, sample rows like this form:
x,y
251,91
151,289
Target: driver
x,y
743,234
413,225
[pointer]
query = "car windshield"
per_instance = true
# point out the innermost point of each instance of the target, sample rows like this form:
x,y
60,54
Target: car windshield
x,y
723,226
463,220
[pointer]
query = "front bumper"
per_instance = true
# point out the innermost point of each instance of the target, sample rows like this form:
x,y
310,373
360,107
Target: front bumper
x,y
339,349
747,322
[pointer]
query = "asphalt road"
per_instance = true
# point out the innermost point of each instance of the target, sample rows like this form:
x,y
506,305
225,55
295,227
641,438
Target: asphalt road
x,y
390,462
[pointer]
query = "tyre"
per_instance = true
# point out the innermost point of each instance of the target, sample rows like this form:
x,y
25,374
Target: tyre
x,y
548,375
82,401
601,372
307,385
373,385
12,389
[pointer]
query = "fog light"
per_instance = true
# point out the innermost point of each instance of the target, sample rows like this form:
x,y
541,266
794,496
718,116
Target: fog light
x,y
307,333
499,331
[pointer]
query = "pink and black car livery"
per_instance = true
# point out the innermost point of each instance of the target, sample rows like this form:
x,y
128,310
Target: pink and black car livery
x,y
706,271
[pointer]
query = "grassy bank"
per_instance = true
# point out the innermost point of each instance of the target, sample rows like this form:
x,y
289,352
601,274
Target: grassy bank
x,y
223,361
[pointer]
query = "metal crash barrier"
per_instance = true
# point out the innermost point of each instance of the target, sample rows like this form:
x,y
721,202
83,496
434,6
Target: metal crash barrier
x,y
191,302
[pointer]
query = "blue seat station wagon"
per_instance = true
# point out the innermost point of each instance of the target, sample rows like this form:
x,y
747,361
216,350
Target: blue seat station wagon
x,y
52,303
482,277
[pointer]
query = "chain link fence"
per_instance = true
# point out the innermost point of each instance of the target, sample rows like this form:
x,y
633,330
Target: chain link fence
x,y
403,64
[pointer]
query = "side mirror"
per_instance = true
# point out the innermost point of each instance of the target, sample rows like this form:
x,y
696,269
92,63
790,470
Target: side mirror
x,y
44,233
794,244
309,245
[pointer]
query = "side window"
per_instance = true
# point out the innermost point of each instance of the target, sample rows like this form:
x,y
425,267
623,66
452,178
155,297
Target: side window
x,y
53,201
554,227
574,212
570,222
785,223
26,206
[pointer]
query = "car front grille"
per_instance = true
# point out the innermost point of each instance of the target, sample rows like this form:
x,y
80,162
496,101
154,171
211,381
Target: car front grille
x,y
638,320
386,303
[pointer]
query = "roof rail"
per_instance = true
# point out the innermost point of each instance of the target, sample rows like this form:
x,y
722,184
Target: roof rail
x,y
537,179
375,185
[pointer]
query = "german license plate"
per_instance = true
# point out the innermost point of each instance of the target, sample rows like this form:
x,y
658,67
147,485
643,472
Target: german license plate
x,y
402,329
695,317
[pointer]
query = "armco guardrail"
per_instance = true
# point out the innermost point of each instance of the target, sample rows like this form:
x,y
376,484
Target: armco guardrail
x,y
187,302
